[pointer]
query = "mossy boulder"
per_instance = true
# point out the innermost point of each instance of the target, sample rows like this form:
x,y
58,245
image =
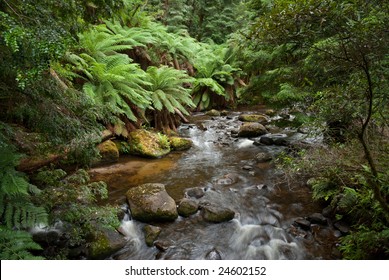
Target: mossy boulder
x,y
151,234
254,118
108,151
187,207
252,129
105,242
215,214
148,144
151,202
180,144
213,113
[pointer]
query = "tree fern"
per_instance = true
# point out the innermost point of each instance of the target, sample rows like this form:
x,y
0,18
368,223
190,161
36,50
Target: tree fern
x,y
167,91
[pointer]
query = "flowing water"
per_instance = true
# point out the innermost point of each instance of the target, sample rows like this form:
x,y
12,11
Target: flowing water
x,y
265,207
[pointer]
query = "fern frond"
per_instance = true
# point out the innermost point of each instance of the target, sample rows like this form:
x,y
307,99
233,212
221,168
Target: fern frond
x,y
17,245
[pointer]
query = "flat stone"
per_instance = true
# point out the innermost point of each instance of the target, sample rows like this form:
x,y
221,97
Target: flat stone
x,y
247,167
162,245
317,218
303,223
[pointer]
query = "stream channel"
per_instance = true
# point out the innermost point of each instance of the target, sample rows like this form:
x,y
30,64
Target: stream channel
x,y
265,208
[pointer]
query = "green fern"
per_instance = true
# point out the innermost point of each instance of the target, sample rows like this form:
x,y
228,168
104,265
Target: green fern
x,y
17,245
167,91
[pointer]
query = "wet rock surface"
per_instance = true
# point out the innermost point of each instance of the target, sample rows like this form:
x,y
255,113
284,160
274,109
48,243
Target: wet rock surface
x,y
187,207
151,234
217,214
251,130
151,202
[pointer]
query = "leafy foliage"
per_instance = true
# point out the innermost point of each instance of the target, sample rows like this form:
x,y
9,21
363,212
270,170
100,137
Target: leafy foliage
x,y
17,245
17,211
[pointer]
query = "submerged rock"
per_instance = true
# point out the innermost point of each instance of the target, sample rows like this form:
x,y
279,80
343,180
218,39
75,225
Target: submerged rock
x,y
151,202
213,255
227,179
187,207
108,151
151,234
254,118
217,214
251,130
195,193
263,157
180,144
148,144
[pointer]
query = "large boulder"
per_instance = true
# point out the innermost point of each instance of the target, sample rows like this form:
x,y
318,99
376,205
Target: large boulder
x,y
180,144
252,129
108,151
216,214
254,118
151,202
148,144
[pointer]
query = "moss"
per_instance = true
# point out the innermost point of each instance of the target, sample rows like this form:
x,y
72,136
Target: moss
x,y
180,144
213,113
149,144
253,118
108,151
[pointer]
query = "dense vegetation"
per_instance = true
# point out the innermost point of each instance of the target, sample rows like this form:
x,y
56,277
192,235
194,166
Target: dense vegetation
x,y
71,69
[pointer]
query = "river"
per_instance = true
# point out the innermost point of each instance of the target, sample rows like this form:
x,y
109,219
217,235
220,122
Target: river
x,y
266,207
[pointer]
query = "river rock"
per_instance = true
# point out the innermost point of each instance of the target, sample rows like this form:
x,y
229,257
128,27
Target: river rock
x,y
151,202
328,211
104,243
108,151
317,218
213,113
180,144
228,179
213,255
251,130
162,245
342,227
303,223
148,144
187,207
216,214
263,157
266,140
253,118
270,112
195,193
151,234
